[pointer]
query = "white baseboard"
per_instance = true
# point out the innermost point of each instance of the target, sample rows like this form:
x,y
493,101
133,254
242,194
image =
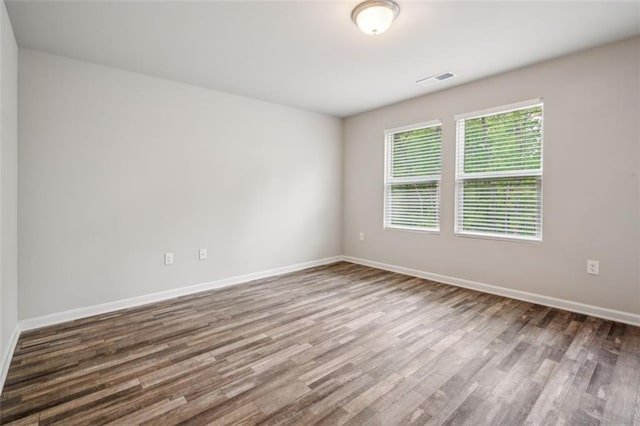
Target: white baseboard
x,y
60,317
6,357
567,305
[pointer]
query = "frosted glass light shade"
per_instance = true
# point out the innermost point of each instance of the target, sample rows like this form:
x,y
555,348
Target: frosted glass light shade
x,y
374,17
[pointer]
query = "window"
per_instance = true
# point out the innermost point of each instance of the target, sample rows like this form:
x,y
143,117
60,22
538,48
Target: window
x,y
499,172
412,177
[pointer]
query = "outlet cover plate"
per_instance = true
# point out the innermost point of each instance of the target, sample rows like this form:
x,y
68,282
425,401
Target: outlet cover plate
x,y
593,267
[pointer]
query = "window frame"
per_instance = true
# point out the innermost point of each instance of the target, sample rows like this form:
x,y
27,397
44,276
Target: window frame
x,y
461,176
390,180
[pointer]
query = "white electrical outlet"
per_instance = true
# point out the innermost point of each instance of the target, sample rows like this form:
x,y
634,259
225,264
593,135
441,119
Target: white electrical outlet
x,y
202,254
168,258
362,236
593,267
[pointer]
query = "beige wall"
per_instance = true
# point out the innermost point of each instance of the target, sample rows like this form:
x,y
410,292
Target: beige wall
x,y
118,168
591,182
8,184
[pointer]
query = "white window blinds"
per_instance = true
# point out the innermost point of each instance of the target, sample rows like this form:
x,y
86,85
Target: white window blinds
x,y
499,172
412,177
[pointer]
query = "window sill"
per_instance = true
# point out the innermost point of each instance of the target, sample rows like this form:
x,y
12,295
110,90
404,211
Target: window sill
x,y
533,240
412,229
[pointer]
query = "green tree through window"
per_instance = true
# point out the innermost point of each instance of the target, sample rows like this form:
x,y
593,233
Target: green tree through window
x,y
499,174
412,183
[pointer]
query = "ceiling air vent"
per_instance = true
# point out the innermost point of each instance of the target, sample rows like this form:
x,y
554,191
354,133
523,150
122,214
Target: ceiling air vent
x,y
436,78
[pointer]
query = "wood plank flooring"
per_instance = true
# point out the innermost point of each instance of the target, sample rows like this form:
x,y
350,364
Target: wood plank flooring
x,y
337,344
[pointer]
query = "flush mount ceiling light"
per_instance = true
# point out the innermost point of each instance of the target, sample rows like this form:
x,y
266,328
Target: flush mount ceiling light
x,y
374,17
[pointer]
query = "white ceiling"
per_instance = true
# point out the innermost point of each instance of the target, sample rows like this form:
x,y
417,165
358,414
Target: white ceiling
x,y
309,54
